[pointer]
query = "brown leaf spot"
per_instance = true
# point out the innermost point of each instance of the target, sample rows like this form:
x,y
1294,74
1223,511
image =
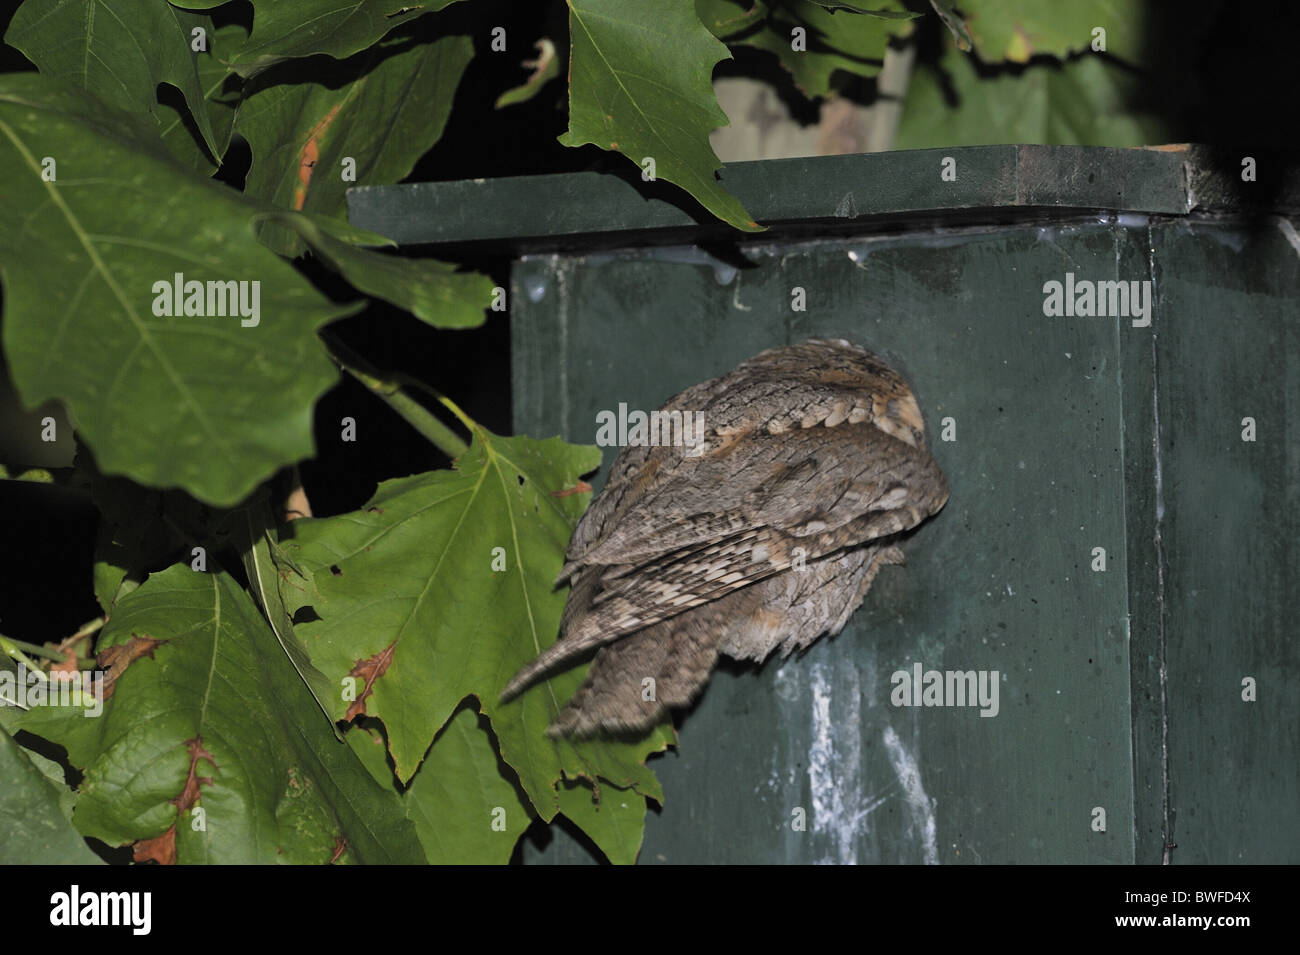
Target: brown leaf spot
x,y
582,487
189,794
116,659
160,849
308,155
67,665
340,847
368,671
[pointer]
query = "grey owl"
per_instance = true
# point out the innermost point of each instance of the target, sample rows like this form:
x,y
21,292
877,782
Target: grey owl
x,y
763,536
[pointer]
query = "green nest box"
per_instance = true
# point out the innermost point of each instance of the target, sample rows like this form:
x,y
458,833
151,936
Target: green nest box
x,y
1103,345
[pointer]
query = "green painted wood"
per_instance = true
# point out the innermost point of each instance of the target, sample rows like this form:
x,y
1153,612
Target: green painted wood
x,y
1055,455
596,210
1228,344
999,581
1145,557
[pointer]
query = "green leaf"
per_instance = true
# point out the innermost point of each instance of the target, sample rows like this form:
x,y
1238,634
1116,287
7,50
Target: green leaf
x,y
463,800
214,716
726,19
306,135
432,291
853,45
139,528
464,809
545,68
265,565
30,475
1015,31
439,589
119,50
614,818
200,402
640,83
221,93
35,808
11,709
112,563
123,550
308,224
366,738
1086,101
284,31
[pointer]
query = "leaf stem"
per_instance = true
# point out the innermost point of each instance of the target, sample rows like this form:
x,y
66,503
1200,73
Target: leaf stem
x,y
16,649
465,419
391,392
85,630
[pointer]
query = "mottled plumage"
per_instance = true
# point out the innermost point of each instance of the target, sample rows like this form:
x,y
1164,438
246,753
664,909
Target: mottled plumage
x,y
764,538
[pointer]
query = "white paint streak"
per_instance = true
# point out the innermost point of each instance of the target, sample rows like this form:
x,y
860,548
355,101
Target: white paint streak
x,y
787,682
827,804
920,805
1288,231
835,772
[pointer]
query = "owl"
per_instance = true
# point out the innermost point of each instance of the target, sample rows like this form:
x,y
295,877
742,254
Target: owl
x,y
761,534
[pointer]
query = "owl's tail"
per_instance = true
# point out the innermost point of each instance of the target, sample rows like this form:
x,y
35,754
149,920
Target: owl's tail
x,y
556,653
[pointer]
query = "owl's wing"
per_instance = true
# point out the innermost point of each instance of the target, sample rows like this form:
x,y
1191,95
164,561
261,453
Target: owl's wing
x,y
596,613
810,387
633,682
801,495
801,482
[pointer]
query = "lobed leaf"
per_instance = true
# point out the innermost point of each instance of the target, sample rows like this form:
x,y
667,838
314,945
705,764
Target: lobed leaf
x,y
845,43
207,713
376,116
640,83
119,50
434,292
464,809
200,402
283,31
395,588
222,89
1084,101
35,811
1014,31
